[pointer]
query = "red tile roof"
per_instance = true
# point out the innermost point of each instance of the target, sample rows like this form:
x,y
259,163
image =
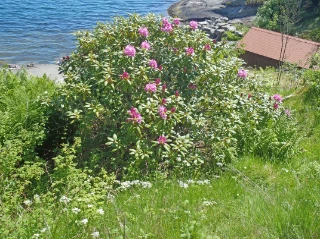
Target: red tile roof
x,y
268,43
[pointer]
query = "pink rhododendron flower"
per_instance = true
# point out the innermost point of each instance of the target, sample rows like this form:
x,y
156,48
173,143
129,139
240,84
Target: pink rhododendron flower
x,y
164,101
166,25
143,31
158,81
176,21
164,87
165,21
151,87
129,51
162,111
125,75
162,139
173,110
167,28
160,68
145,45
194,25
242,73
276,106
189,51
207,47
176,93
277,97
153,63
135,116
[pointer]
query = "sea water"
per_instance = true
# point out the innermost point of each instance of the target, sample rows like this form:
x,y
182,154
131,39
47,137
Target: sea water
x,y
41,31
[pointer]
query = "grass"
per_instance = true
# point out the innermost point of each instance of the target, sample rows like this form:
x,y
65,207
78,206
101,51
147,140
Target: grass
x,y
250,198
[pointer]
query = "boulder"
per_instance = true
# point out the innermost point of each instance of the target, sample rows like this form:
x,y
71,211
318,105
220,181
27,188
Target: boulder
x,y
238,33
224,19
219,33
231,28
220,25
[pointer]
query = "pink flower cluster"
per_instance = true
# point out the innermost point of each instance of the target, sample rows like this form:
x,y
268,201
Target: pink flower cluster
x,y
194,25
176,21
143,31
242,73
158,81
129,51
277,98
162,140
153,64
151,87
162,111
145,45
166,25
189,51
135,116
164,87
125,75
207,47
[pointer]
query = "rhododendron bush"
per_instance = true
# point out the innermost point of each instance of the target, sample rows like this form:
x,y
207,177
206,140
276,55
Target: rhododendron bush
x,y
146,94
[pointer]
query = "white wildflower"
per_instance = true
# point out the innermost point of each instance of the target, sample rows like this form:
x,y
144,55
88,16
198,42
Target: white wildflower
x,y
208,203
100,211
27,202
84,221
36,198
183,185
95,234
146,184
43,230
76,210
219,164
37,235
203,182
90,206
64,199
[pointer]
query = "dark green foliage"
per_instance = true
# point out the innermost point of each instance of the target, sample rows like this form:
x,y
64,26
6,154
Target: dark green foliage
x,y
23,116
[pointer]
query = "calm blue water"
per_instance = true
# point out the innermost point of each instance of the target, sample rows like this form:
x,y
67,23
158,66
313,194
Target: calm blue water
x,y
40,31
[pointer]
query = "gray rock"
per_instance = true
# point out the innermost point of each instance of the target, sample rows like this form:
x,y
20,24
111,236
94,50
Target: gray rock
x,y
224,19
219,33
220,25
225,27
235,21
238,33
231,28
203,23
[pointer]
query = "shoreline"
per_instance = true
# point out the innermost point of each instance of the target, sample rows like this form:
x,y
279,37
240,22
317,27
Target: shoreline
x,y
39,70
201,10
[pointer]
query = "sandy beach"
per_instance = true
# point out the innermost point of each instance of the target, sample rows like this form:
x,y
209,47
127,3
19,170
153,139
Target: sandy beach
x,y
50,70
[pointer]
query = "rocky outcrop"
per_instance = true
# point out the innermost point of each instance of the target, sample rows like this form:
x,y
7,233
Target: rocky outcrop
x,y
206,9
217,26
